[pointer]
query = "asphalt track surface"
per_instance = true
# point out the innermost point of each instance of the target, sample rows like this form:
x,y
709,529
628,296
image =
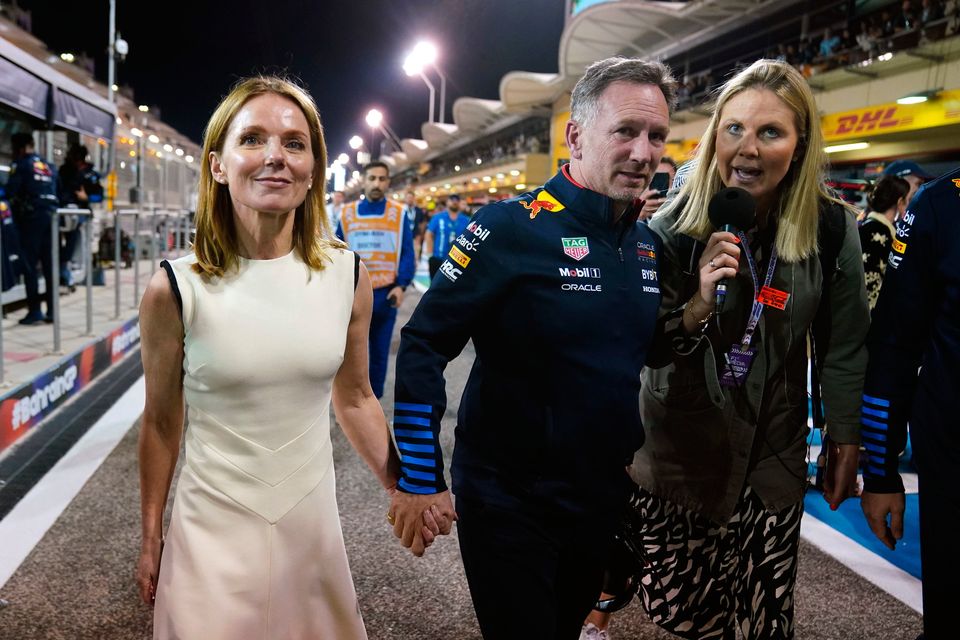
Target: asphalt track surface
x,y
78,581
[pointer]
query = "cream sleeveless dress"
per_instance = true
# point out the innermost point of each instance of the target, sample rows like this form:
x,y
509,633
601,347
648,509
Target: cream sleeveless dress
x,y
254,549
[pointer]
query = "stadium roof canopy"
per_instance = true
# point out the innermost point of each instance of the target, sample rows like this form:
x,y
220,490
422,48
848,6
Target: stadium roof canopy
x,y
635,28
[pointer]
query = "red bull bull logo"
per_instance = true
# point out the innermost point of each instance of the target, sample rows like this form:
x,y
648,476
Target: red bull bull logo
x,y
41,168
543,201
535,207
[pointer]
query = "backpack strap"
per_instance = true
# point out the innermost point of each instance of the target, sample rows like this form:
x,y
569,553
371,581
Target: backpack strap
x,y
831,230
689,250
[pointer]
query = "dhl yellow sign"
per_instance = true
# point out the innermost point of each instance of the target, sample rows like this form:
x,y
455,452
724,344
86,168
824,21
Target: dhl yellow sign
x,y
887,118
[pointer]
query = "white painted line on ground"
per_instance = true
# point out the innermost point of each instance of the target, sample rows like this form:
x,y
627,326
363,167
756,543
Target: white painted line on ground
x,y
29,520
892,579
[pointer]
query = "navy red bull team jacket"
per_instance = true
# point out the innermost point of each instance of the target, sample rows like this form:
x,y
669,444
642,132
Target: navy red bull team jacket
x,y
561,303
914,344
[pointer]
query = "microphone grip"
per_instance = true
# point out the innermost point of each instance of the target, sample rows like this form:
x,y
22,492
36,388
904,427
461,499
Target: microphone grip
x,y
721,294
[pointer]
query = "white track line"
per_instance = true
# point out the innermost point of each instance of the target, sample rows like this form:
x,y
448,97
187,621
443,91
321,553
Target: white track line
x,y
29,520
892,579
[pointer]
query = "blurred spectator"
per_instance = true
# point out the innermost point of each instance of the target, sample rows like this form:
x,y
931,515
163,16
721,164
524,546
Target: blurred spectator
x,y
887,24
416,218
888,201
908,17
654,198
911,172
808,51
930,10
79,186
951,11
333,213
442,231
867,40
792,56
32,189
829,44
847,40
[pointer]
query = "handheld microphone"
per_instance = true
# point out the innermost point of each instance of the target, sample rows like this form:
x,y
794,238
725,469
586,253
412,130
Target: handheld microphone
x,y
731,210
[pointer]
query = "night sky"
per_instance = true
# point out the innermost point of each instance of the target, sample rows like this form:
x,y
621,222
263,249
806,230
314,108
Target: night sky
x,y
184,56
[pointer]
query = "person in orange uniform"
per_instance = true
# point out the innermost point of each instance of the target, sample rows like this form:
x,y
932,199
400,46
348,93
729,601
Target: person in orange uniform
x,y
374,228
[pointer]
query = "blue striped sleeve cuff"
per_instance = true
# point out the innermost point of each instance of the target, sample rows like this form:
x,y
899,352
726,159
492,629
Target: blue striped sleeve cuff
x,y
417,433
880,473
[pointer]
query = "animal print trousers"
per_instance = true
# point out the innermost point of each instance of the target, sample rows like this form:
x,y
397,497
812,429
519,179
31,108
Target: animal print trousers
x,y
702,580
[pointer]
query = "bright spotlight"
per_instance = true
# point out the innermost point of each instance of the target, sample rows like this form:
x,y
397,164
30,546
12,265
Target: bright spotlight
x,y
374,118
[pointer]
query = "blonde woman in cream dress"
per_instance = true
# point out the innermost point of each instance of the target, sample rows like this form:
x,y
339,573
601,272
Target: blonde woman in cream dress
x,y
256,331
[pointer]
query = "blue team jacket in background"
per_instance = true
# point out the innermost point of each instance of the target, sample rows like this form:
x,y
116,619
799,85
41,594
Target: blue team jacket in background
x,y
916,324
561,304
445,230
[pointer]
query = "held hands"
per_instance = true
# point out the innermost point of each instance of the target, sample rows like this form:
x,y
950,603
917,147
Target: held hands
x,y
841,481
876,507
418,519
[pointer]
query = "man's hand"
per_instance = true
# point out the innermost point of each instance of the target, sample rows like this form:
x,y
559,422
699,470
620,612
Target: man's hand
x,y
395,296
419,518
875,507
841,480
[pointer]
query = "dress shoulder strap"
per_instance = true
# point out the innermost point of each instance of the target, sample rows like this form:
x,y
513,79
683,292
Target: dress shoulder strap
x,y
171,276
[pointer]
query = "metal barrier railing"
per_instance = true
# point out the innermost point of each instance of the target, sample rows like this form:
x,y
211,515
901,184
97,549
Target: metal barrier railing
x,y
55,269
118,256
177,220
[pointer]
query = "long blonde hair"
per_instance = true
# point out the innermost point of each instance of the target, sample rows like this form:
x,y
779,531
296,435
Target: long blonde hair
x,y
216,245
800,191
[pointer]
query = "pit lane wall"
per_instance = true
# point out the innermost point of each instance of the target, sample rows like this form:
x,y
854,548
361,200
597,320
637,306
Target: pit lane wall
x,y
24,407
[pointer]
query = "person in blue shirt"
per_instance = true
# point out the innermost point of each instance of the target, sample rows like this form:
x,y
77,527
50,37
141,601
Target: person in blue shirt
x,y
443,229
913,376
377,230
32,189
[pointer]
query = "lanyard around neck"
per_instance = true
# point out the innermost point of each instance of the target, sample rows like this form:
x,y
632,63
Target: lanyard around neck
x,y
757,310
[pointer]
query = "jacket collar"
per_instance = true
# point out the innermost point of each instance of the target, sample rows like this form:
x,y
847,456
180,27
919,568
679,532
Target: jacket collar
x,y
368,208
586,204
879,217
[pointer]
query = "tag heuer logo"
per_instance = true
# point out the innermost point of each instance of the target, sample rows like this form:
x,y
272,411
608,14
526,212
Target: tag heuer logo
x,y
576,248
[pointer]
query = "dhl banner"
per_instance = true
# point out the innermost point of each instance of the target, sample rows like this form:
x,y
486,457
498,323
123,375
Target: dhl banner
x,y
24,407
887,118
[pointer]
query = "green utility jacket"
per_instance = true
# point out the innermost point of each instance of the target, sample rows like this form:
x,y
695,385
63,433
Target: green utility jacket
x,y
705,441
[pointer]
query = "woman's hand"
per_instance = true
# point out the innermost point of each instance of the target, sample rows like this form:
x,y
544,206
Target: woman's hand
x,y
841,481
721,259
148,569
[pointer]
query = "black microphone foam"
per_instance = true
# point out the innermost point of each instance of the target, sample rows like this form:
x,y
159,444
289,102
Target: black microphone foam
x,y
732,209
